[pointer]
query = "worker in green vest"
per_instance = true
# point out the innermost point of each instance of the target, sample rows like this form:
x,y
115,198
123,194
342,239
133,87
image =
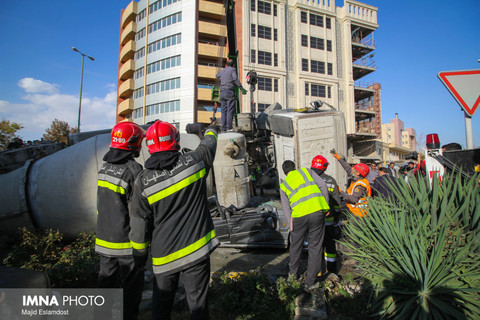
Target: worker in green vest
x,y
304,197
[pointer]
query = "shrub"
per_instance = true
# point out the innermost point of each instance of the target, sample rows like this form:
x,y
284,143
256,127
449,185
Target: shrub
x,y
422,253
72,265
250,296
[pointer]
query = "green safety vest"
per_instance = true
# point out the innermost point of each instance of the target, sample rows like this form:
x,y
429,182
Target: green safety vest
x,y
303,193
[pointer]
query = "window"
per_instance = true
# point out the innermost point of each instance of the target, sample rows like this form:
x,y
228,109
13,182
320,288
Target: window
x,y
264,7
306,89
275,36
137,113
264,58
164,107
138,73
140,34
262,106
328,23
164,85
318,90
164,64
274,10
304,64
330,69
329,92
265,32
141,15
252,56
138,93
160,4
275,85
304,40
317,43
303,16
165,22
252,5
329,45
317,66
140,53
264,84
316,20
275,60
165,43
252,30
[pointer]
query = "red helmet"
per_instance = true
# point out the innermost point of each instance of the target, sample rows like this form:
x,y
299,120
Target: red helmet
x,y
162,136
320,162
127,136
362,168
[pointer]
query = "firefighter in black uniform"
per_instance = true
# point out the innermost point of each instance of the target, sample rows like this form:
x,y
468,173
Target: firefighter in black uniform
x,y
170,214
320,165
115,187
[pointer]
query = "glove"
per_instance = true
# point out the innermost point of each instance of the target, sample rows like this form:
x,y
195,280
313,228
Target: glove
x,y
244,91
335,154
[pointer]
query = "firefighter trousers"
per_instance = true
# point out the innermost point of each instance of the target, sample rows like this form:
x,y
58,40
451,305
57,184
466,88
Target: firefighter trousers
x,y
330,249
314,224
195,281
120,272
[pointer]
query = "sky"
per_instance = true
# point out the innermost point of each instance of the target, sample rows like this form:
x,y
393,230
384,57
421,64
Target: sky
x,y
40,73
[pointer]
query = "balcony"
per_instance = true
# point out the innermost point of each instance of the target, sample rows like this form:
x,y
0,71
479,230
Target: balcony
x,y
204,116
127,70
211,50
211,9
363,66
125,90
363,91
212,29
128,33
129,14
126,107
361,12
207,72
204,94
128,51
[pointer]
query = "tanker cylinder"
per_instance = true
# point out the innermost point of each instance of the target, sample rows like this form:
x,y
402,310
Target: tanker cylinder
x,y
231,171
59,191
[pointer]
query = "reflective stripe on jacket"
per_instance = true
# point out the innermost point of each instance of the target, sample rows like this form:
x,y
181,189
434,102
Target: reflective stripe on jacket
x,y
115,183
360,208
170,211
303,193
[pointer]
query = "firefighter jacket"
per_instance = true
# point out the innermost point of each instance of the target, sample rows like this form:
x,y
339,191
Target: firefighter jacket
x,y
115,188
170,211
303,193
356,197
335,201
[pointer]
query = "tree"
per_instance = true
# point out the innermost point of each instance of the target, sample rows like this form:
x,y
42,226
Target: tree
x,y
59,131
8,131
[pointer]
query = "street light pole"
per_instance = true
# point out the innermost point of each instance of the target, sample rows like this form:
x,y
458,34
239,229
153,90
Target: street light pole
x,y
81,84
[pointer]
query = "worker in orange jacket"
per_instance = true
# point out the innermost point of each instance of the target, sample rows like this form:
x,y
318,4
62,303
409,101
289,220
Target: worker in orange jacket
x,y
359,189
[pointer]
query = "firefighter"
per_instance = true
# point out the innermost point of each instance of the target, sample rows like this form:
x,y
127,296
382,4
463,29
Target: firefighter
x,y
170,214
320,165
304,197
115,186
359,188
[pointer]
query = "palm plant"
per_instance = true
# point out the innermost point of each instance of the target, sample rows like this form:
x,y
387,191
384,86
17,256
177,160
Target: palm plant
x,y
422,253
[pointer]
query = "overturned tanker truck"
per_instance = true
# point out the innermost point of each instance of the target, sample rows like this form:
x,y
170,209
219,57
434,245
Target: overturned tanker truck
x,y
59,191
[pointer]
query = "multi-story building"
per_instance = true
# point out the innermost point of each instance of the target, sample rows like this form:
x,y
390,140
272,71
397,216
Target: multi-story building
x,y
171,50
401,141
